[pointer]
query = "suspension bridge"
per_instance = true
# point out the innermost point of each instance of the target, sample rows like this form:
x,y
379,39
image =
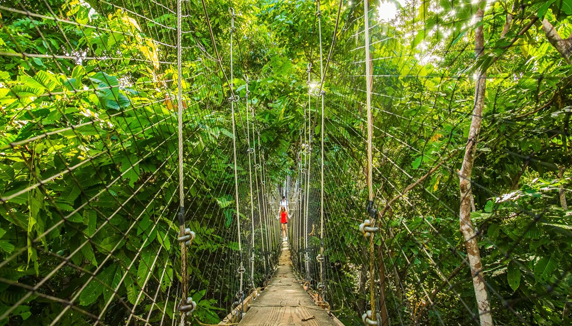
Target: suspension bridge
x,y
421,147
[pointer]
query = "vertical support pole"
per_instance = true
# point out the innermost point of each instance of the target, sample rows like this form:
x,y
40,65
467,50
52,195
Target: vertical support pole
x,y
368,81
322,132
309,162
184,281
233,99
259,195
250,152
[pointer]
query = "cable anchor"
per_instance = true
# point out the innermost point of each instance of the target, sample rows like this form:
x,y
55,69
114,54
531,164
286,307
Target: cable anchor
x,y
366,318
188,237
234,98
189,307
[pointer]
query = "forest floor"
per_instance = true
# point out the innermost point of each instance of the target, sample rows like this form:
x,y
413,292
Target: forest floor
x,y
284,301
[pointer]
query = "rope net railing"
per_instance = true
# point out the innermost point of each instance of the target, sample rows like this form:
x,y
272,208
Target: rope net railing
x,y
92,213
469,218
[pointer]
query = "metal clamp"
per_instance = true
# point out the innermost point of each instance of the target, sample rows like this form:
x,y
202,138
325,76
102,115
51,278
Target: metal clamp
x,y
232,16
250,150
241,269
234,98
371,211
189,307
366,318
367,228
188,237
319,13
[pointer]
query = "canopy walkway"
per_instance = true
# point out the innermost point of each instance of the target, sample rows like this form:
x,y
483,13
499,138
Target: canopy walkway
x,y
421,151
285,302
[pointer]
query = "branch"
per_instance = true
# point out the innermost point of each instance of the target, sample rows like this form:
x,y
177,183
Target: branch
x,y
415,184
564,46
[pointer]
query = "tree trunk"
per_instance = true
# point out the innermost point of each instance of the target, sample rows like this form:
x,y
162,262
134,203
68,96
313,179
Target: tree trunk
x,y
466,225
564,46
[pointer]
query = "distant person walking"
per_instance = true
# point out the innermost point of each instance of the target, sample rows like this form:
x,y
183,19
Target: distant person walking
x,y
284,223
284,204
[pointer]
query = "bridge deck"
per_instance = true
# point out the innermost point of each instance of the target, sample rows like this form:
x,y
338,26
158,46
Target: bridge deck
x,y
284,302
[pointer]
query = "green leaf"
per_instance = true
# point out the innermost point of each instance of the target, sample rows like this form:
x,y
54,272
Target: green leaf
x,y
566,6
88,253
6,246
91,292
112,281
542,11
513,276
489,206
144,269
78,72
228,217
544,268
417,162
164,240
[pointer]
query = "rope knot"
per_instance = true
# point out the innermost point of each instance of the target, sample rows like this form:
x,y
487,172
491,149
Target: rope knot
x,y
367,228
234,98
188,237
367,319
187,307
318,13
320,258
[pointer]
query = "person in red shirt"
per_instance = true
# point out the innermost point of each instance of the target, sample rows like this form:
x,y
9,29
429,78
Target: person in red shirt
x,y
284,222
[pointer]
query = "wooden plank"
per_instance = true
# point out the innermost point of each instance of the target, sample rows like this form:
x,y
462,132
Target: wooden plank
x,y
284,302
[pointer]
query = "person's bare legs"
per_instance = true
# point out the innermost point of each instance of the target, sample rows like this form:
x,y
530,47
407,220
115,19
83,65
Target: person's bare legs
x,y
283,230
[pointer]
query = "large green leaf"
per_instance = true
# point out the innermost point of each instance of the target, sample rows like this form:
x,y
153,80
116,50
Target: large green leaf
x,y
513,275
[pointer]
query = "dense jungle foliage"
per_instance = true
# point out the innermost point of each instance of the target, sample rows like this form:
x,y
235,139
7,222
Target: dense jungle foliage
x,y
89,171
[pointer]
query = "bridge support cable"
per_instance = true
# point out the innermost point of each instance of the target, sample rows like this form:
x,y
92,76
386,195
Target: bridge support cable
x,y
250,152
368,227
186,306
320,257
257,181
234,98
308,174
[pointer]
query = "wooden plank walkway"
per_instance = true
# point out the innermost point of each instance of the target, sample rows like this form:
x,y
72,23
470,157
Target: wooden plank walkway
x,y
284,302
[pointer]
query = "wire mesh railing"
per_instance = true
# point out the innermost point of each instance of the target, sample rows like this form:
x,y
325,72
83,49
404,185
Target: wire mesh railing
x,y
89,96
457,102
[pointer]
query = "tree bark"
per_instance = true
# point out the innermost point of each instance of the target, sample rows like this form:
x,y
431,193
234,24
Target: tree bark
x,y
563,46
466,224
